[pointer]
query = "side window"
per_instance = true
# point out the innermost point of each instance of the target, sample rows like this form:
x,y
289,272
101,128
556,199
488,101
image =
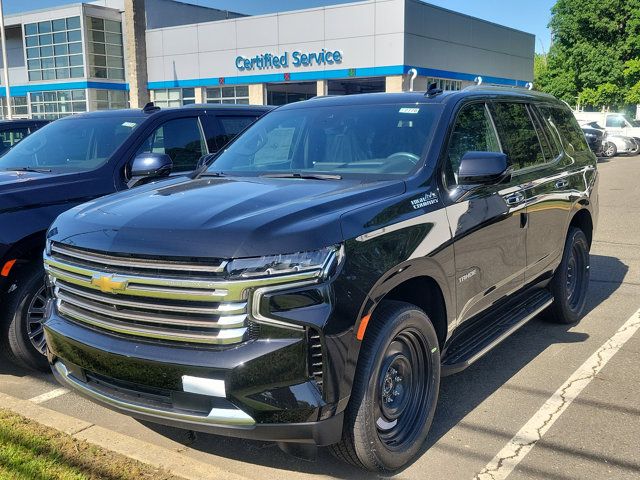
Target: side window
x,y
181,139
10,137
519,138
550,145
615,121
565,126
230,127
472,132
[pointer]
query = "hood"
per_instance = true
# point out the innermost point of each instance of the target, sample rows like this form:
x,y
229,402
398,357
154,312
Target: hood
x,y
27,190
220,217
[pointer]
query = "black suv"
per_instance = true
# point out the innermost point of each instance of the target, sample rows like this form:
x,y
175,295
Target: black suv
x,y
72,161
314,283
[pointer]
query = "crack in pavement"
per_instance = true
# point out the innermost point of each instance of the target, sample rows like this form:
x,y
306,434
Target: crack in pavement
x,y
533,431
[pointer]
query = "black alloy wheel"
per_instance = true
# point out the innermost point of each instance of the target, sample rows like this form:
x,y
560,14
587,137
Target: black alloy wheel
x,y
394,392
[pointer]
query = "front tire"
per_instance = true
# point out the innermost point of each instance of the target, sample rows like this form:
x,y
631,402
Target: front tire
x,y
571,280
395,390
22,316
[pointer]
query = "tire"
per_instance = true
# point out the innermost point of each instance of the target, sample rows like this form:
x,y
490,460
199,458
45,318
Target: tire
x,y
609,150
571,280
636,147
386,423
22,314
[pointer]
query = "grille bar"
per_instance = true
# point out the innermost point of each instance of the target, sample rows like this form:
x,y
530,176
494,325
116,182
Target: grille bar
x,y
224,336
79,256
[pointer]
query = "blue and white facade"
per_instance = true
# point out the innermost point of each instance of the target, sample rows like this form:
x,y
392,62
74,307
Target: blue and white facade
x,y
74,58
346,48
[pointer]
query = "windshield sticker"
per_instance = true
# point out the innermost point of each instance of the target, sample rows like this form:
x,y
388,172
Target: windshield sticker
x,y
129,124
409,110
425,200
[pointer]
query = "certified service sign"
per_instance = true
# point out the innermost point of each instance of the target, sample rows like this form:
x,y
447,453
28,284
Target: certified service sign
x,y
296,58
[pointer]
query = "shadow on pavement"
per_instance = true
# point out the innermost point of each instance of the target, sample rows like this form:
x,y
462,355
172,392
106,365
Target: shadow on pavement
x,y
459,394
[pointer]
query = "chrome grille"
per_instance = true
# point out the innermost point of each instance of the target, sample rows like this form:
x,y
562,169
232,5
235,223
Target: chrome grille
x,y
163,299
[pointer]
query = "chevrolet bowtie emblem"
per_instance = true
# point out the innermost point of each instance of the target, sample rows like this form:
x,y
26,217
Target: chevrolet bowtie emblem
x,y
109,283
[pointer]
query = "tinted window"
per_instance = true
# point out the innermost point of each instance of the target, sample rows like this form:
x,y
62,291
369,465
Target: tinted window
x,y
472,132
337,139
564,124
518,137
549,143
71,144
230,127
181,139
9,138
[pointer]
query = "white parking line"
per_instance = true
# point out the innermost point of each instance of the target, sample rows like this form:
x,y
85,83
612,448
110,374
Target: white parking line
x,y
522,443
49,395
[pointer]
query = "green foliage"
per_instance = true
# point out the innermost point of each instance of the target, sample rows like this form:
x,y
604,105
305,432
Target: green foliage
x,y
595,55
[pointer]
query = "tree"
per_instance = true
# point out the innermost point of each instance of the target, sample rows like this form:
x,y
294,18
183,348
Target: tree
x,y
595,54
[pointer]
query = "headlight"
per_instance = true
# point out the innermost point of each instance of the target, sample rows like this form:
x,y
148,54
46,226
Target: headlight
x,y
272,265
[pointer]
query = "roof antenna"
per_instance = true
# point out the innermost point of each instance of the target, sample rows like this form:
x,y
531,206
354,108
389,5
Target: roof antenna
x,y
150,108
414,73
478,80
433,90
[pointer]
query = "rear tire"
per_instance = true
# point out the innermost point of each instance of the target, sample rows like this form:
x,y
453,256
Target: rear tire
x,y
571,280
395,390
23,312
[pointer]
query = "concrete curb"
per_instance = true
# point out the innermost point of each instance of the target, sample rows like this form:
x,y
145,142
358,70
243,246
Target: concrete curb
x,y
145,452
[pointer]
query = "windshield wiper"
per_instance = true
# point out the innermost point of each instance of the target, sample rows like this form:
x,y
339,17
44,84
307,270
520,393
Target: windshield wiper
x,y
311,176
210,174
29,169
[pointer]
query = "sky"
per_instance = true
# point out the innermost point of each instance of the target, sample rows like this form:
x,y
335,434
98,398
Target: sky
x,y
529,16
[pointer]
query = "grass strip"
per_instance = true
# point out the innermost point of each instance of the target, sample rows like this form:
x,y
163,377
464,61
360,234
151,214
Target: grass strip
x,y
32,451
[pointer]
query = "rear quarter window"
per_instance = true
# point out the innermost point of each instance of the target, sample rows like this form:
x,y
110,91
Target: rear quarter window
x,y
565,126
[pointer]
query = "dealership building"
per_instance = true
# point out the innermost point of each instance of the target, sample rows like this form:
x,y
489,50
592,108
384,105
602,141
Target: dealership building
x,y
109,53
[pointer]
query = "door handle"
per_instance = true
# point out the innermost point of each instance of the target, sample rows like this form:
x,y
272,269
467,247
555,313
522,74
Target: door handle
x,y
562,183
514,199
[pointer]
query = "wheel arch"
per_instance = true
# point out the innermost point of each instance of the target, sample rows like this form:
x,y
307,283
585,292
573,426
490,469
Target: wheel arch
x,y
582,219
24,252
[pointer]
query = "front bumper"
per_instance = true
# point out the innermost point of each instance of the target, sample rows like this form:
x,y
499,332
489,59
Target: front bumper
x,y
266,393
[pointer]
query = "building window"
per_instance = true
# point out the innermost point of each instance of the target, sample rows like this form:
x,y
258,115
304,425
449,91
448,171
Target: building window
x,y
106,56
54,49
173,97
19,107
58,103
445,84
109,99
232,94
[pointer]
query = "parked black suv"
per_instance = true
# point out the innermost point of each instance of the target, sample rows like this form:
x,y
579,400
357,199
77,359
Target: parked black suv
x,y
74,160
314,283
13,131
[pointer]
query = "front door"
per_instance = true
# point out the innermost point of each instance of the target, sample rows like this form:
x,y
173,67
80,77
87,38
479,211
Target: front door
x,y
486,223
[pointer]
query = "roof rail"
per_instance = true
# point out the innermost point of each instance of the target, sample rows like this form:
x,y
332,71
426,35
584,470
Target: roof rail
x,y
479,82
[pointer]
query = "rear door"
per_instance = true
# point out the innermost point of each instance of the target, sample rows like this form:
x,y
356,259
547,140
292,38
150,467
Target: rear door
x,y
552,185
489,241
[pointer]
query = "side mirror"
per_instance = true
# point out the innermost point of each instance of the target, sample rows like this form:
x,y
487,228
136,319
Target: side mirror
x,y
204,160
149,165
483,168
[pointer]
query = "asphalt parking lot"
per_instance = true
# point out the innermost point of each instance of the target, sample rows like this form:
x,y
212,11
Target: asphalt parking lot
x,y
559,382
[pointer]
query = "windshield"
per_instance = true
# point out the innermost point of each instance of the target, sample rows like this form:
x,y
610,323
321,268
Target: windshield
x,y
70,144
355,140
